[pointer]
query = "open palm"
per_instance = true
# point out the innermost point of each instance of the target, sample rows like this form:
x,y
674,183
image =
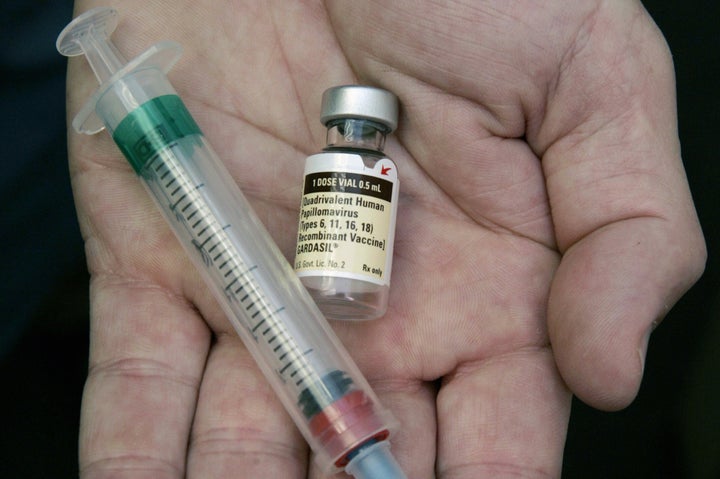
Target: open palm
x,y
544,228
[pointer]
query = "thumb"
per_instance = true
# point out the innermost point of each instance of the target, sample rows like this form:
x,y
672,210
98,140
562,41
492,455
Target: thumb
x,y
622,210
609,292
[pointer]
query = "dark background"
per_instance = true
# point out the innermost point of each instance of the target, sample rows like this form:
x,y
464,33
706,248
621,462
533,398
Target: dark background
x,y
672,430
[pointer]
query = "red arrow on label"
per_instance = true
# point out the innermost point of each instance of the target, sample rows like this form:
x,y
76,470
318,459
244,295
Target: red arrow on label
x,y
384,169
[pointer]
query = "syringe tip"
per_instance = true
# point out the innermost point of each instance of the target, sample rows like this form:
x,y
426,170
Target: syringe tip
x,y
375,461
99,21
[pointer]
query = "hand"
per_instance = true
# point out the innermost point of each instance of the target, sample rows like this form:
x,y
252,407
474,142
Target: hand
x,y
545,227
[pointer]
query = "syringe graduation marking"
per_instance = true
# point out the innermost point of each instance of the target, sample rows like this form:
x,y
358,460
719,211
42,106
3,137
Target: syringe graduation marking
x,y
211,238
166,162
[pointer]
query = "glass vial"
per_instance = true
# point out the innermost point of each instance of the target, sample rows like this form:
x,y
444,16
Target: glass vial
x,y
348,210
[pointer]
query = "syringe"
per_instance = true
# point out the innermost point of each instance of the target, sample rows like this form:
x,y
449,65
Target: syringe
x,y
315,378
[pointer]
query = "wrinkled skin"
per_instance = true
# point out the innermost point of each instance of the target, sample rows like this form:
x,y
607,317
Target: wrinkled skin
x,y
545,228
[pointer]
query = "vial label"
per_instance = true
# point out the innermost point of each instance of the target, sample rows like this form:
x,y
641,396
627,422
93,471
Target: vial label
x,y
347,218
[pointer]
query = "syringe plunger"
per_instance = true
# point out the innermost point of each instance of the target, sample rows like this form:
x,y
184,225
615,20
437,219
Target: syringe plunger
x,y
89,35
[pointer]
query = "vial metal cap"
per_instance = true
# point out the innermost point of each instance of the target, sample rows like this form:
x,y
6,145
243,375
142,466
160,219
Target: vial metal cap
x,y
358,101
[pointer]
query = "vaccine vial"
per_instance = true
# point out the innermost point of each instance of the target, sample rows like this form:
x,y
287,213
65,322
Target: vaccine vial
x,y
347,219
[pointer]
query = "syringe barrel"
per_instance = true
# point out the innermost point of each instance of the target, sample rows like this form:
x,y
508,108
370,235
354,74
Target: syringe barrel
x,y
311,372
